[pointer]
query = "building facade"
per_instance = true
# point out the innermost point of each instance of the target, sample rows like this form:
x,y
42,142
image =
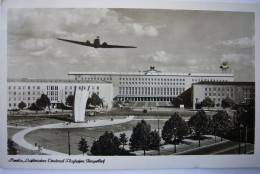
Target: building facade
x,y
29,90
150,85
240,92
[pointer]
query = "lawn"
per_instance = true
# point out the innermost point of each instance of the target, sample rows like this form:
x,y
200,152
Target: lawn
x,y
57,139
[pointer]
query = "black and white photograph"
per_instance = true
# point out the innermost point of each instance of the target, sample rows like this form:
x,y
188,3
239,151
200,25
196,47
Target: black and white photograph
x,y
86,86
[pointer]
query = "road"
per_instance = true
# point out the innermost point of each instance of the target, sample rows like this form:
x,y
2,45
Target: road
x,y
221,148
227,147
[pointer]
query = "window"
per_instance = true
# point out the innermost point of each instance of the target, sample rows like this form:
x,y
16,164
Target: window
x,y
28,87
9,87
14,87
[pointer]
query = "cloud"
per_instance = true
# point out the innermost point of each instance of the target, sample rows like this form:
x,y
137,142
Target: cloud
x,y
91,53
73,61
144,30
191,61
34,44
236,58
159,56
240,43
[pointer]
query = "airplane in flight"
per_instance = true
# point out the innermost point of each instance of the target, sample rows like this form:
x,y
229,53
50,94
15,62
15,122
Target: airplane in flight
x,y
96,44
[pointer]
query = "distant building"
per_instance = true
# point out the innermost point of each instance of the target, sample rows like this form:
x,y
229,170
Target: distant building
x,y
150,85
29,90
241,92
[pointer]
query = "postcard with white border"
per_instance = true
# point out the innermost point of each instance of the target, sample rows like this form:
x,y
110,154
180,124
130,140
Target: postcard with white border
x,y
129,84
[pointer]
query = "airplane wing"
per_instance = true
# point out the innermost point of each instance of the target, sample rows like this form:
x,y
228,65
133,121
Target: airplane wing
x,y
95,46
77,42
115,46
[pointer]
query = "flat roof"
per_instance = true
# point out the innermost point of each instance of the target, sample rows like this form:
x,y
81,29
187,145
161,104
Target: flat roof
x,y
56,81
151,74
225,83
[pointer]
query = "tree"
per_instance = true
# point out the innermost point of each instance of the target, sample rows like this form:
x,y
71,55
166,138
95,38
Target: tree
x,y
140,138
12,150
155,140
207,102
227,103
123,139
221,123
43,102
34,107
83,145
145,111
248,117
21,105
200,123
70,100
107,145
175,127
94,100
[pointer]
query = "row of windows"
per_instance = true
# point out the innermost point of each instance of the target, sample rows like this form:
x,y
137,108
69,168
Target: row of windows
x,y
219,94
20,98
219,89
70,93
208,80
52,87
96,78
149,91
151,83
70,87
25,93
23,87
151,79
54,98
16,104
52,93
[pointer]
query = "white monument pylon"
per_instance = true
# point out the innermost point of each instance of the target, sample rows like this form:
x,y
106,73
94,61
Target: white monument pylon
x,y
81,95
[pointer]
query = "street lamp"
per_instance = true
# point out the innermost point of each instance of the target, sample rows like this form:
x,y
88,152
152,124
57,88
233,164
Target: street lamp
x,y
174,139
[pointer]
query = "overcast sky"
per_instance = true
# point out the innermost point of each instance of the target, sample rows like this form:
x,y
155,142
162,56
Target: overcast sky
x,y
172,41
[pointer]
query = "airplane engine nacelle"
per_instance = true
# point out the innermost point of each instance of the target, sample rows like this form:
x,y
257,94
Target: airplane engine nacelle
x,y
104,43
87,42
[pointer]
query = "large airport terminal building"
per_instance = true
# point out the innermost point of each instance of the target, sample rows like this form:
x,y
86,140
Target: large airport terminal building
x,y
150,85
